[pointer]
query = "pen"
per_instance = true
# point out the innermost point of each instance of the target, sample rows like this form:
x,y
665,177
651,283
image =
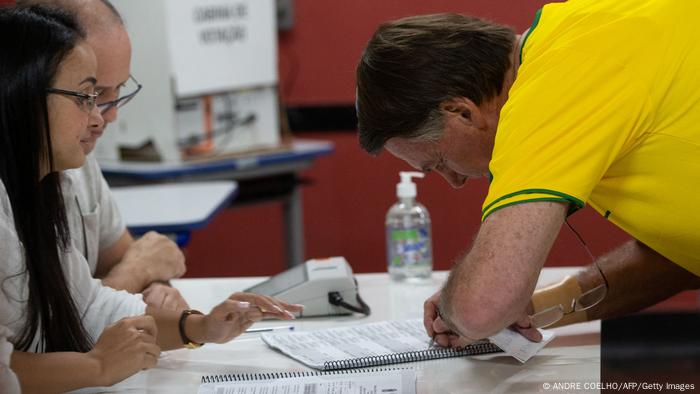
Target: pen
x,y
432,338
267,329
432,341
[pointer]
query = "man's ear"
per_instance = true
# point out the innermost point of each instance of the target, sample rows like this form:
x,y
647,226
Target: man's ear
x,y
462,107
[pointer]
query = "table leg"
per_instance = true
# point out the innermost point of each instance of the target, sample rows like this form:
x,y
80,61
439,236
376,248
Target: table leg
x,y
294,227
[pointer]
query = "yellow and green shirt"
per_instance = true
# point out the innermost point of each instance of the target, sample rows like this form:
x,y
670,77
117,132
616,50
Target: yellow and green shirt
x,y
605,110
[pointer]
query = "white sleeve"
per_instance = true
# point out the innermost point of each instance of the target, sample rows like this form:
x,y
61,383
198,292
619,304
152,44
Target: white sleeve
x,y
98,305
14,291
8,380
112,225
108,306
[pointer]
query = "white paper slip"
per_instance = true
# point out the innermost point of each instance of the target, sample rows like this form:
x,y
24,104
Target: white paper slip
x,y
366,382
513,343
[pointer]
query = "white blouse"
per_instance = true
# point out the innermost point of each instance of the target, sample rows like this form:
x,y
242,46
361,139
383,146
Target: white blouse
x,y
98,305
8,380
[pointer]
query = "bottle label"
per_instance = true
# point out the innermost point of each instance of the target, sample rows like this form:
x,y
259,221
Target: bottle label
x,y
409,247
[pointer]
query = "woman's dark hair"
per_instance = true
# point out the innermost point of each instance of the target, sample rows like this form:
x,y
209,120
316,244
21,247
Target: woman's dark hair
x,y
412,65
33,43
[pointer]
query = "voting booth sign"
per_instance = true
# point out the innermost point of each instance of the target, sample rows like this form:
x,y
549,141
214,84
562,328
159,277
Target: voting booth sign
x,y
209,74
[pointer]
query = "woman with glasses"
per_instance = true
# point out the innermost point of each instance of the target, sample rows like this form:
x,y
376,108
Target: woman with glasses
x,y
67,330
138,265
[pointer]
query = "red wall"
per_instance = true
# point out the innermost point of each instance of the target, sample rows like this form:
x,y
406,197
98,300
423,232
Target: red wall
x,y
345,204
318,56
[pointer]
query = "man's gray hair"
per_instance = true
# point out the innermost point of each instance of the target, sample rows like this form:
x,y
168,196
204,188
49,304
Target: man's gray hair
x,y
412,65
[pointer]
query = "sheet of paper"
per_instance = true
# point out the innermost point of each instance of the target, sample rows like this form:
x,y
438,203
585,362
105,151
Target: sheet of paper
x,y
314,348
374,340
390,381
518,346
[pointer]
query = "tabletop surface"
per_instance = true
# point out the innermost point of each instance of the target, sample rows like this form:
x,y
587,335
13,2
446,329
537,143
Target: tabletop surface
x,y
574,356
173,207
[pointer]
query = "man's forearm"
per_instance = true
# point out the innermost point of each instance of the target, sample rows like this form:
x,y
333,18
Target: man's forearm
x,y
638,277
491,287
54,372
118,273
132,265
124,276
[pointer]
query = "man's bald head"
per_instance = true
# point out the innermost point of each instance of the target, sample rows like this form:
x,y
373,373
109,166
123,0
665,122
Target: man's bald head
x,y
96,16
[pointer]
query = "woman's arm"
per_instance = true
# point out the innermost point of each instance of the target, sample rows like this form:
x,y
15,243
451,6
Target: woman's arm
x,y
124,348
225,322
55,372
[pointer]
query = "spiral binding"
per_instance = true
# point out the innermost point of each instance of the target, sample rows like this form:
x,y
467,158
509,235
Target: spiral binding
x,y
407,357
245,377
342,367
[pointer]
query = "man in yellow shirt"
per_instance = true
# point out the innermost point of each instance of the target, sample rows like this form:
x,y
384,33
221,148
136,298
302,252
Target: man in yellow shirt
x,y
597,103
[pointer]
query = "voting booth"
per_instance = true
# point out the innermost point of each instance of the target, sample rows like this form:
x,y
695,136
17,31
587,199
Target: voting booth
x,y
209,75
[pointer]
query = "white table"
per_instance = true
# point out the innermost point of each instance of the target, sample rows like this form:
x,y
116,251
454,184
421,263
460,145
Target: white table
x,y
572,357
175,208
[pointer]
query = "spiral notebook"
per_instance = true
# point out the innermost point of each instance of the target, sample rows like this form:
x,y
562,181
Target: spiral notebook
x,y
366,381
367,345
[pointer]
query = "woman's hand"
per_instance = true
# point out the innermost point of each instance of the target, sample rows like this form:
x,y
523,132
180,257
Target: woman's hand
x,y
126,347
235,315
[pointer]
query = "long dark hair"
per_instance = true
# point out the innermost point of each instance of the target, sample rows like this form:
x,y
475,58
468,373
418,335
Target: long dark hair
x,y
33,43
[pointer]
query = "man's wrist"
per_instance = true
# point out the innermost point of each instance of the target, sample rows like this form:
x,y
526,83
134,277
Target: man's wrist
x,y
128,276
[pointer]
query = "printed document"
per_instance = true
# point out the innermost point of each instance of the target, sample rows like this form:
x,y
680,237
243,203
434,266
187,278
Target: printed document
x,y
379,382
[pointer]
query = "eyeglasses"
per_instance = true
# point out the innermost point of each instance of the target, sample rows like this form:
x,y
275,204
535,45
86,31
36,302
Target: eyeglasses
x,y
85,101
585,301
121,101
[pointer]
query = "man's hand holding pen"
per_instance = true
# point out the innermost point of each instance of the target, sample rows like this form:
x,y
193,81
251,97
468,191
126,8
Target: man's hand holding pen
x,y
436,328
440,332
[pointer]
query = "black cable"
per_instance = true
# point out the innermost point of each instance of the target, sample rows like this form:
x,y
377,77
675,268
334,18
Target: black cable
x,y
334,298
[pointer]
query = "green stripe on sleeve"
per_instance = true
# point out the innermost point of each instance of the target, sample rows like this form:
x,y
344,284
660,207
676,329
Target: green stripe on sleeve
x,y
572,207
575,203
538,14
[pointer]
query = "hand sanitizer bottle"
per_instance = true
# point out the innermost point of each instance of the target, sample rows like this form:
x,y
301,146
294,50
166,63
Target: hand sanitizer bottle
x,y
408,243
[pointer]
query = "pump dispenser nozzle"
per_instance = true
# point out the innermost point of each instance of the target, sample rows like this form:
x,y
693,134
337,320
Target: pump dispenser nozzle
x,y
406,188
